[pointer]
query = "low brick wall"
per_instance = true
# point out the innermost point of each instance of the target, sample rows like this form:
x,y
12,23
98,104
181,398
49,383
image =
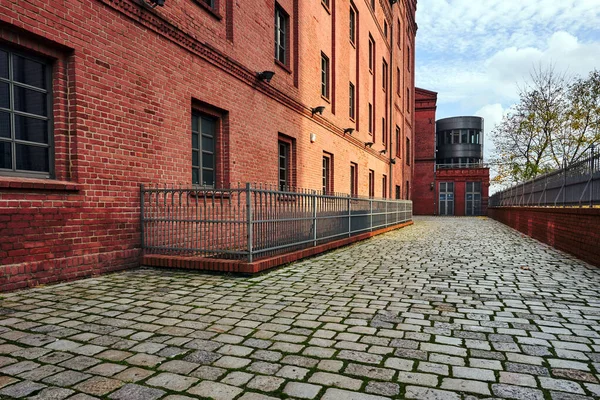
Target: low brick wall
x,y
211,264
573,230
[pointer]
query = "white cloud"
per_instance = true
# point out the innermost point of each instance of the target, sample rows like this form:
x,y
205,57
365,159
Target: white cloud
x,y
492,115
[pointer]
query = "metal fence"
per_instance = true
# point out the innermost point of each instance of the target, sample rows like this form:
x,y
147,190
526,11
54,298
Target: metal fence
x,y
576,185
251,222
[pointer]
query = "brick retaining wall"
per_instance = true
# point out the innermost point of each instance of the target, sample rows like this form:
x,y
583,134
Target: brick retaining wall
x,y
573,230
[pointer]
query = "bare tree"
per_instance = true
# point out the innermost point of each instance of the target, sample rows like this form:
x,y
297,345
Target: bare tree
x,y
554,124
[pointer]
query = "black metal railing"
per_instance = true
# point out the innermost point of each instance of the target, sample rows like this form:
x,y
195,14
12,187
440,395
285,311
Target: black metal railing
x,y
576,185
256,221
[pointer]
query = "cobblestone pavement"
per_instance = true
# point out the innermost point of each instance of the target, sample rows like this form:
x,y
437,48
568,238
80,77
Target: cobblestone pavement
x,y
454,308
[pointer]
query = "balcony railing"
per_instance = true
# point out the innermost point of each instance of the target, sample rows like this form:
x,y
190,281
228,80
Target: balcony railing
x,y
461,165
252,222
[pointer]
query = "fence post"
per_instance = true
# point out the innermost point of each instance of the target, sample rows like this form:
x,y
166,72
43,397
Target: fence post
x,y
371,214
564,172
314,194
142,215
386,213
249,220
592,176
349,215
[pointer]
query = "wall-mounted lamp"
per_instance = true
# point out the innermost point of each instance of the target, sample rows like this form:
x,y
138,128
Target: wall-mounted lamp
x,y
265,76
368,144
154,3
431,185
382,151
317,110
393,161
392,2
349,130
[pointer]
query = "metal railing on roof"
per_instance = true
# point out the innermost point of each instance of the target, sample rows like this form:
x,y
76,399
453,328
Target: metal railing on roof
x,y
575,185
251,222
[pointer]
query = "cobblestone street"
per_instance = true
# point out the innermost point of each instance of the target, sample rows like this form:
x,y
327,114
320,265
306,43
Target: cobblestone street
x,y
450,308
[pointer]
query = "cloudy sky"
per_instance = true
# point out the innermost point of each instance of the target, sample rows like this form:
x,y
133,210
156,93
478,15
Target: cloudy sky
x,y
476,53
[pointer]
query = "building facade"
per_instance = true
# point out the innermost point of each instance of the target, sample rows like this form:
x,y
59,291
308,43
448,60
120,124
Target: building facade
x,y
450,176
98,97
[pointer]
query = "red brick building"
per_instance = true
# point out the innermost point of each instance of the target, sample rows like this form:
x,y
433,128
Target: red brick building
x,y
100,96
450,177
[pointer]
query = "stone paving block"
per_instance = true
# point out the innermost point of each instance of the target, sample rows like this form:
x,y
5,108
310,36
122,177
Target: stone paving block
x,y
52,393
330,365
255,396
106,369
292,372
368,371
417,378
136,392
40,373
464,385
516,392
265,368
133,374
178,367
170,381
478,374
265,383
399,363
237,378
335,394
215,390
302,390
7,380
80,363
574,374
561,385
422,393
340,381
511,378
21,389
202,357
66,378
99,386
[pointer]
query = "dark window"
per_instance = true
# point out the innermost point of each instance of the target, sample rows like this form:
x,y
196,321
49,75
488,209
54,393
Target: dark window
x,y
25,115
324,76
373,4
284,166
408,57
327,173
353,179
352,25
351,100
281,35
203,149
385,29
383,132
371,53
397,191
408,100
399,39
398,81
398,141
407,151
209,3
384,75
370,118
325,3
371,183
384,187
407,190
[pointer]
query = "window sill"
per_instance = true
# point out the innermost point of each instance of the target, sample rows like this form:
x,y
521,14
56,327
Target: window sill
x,y
209,9
326,7
17,183
326,99
283,66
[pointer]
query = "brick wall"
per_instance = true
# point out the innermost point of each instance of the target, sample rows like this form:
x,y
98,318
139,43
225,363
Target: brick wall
x,y
125,81
424,194
573,230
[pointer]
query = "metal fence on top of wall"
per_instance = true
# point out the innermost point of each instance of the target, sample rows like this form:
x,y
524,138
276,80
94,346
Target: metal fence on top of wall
x,y
576,185
252,222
